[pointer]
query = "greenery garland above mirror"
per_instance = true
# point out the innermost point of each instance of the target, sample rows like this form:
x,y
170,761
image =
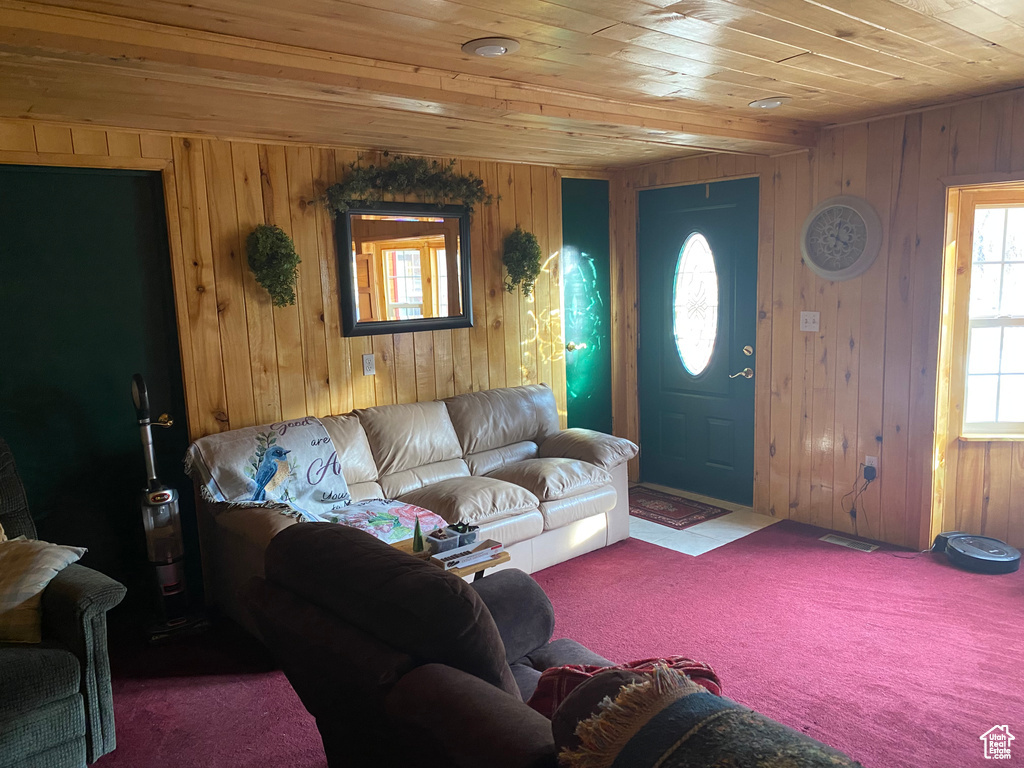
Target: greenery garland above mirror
x,y
432,181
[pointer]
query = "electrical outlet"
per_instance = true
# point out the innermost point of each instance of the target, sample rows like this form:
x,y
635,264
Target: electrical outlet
x,y
810,321
369,367
871,461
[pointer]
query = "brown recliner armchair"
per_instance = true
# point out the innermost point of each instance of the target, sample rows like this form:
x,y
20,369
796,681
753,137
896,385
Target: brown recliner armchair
x,y
403,664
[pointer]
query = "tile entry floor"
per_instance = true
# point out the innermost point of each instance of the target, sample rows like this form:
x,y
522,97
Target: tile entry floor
x,y
703,537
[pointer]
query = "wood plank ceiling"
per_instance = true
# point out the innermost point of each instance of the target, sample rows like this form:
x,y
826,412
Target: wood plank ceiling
x,y
604,83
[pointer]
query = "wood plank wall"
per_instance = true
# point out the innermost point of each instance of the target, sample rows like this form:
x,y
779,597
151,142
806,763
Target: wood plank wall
x,y
246,362
864,385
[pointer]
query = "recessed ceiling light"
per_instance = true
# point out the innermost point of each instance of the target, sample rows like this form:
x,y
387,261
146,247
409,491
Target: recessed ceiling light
x,y
491,47
770,103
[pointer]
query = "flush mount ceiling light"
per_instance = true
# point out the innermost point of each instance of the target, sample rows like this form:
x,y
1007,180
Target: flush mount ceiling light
x,y
770,103
491,47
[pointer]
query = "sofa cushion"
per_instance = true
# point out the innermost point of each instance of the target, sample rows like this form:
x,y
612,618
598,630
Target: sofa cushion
x,y
363,491
409,480
473,499
410,435
526,678
512,530
31,676
551,479
606,451
561,512
564,651
403,601
353,449
50,736
488,461
497,417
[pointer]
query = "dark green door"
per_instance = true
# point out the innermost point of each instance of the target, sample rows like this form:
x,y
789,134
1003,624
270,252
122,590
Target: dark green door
x,y
587,325
87,301
698,306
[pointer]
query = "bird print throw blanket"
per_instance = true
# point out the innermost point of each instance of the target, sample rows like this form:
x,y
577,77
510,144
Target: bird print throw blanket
x,y
291,462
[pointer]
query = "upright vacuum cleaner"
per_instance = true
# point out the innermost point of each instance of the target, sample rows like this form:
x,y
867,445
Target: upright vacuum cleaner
x,y
163,526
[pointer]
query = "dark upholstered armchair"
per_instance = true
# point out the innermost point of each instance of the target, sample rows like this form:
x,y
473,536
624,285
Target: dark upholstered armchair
x,y
402,663
56,707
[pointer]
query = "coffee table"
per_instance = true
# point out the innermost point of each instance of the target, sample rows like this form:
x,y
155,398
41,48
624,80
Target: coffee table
x,y
477,569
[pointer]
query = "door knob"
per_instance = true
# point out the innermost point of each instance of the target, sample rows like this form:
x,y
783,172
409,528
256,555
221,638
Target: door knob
x,y
572,345
746,373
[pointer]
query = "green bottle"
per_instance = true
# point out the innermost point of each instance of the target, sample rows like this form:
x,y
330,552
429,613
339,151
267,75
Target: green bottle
x,y
417,538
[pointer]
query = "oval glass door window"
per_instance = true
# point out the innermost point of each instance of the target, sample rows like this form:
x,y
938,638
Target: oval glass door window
x,y
695,304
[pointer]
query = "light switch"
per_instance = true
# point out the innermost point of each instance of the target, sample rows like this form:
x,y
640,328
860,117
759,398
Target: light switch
x,y
810,321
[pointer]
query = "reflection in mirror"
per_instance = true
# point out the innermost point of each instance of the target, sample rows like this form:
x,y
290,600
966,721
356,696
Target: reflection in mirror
x,y
407,269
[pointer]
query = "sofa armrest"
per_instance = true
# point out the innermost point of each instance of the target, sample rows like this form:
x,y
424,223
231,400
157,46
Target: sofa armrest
x,y
75,606
474,723
77,592
606,451
522,612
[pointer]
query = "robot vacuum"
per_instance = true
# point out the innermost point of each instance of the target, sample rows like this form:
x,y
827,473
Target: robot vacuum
x,y
977,553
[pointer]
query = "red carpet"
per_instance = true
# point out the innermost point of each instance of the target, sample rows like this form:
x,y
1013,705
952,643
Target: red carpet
x,y
212,701
902,663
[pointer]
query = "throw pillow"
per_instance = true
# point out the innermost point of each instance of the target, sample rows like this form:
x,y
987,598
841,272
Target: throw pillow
x,y
558,682
27,566
668,721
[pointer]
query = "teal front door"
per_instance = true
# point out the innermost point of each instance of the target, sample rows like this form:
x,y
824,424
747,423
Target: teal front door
x,y
698,306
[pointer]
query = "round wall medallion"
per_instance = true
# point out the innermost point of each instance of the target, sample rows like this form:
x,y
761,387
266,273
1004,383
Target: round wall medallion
x,y
841,237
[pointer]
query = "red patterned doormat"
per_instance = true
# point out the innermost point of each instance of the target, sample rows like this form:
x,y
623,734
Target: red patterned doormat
x,y
667,509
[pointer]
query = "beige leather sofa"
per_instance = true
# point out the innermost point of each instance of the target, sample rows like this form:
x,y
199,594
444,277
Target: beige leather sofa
x,y
496,459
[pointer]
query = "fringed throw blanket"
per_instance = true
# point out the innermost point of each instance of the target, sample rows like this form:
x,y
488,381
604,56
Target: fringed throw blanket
x,y
670,722
290,463
556,683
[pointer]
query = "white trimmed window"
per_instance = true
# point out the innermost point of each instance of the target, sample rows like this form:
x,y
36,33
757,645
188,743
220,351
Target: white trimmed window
x,y
994,369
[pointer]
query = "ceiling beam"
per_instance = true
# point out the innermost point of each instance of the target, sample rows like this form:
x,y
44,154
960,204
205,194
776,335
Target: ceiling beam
x,y
148,51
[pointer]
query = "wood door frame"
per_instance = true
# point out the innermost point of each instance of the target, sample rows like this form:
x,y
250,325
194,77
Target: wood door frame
x,y
165,166
961,195
625,298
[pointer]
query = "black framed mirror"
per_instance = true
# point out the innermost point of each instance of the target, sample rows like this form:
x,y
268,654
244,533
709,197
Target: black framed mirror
x,y
404,267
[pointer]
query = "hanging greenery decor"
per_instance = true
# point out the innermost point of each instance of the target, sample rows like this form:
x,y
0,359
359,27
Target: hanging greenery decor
x,y
274,262
522,260
430,180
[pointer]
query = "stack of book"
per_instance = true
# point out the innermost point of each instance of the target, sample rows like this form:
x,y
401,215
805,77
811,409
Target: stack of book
x,y
470,554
